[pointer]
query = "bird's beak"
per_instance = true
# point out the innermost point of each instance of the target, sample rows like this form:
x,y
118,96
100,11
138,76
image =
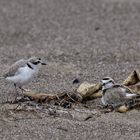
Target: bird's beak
x,y
43,63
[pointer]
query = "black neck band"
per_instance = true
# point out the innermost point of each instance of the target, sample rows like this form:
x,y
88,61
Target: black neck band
x,y
29,66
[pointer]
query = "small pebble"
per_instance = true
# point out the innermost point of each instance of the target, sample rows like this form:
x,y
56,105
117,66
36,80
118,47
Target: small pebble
x,y
76,81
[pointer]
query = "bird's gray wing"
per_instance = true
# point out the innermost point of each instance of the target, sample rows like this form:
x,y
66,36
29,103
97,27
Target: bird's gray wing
x,y
127,90
115,97
14,67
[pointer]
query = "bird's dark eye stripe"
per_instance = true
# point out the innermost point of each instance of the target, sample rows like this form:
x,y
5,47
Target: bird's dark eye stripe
x,y
35,63
109,81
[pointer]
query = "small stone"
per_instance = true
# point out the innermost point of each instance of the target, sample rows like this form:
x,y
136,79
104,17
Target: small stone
x,y
76,81
97,28
122,109
87,90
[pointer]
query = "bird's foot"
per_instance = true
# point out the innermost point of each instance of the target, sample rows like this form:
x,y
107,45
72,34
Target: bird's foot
x,y
106,108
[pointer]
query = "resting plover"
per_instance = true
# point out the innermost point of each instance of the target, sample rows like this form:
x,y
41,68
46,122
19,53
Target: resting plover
x,y
115,95
23,71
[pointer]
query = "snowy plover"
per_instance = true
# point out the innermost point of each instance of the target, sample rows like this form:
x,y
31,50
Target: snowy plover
x,y
115,95
23,71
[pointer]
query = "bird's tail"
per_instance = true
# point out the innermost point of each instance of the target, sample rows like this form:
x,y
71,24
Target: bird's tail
x,y
2,77
135,102
137,98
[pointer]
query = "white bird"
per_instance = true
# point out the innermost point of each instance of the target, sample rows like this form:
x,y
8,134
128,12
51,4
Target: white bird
x,y
115,95
23,71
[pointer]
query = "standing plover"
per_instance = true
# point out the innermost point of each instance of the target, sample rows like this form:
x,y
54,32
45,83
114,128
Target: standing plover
x,y
23,71
115,95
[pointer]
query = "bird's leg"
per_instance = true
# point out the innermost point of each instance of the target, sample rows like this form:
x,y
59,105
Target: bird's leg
x,y
16,91
9,92
15,86
15,95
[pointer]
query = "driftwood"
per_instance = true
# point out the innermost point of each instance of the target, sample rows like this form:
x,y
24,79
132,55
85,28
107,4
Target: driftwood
x,y
135,88
122,109
62,99
90,91
133,78
40,97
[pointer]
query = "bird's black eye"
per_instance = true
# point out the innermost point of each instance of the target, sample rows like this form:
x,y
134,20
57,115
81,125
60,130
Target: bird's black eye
x,y
36,63
39,58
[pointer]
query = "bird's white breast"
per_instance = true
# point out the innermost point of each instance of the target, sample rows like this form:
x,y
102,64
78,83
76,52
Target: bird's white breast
x,y
22,76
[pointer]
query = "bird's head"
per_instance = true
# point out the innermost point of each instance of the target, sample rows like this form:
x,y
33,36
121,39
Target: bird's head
x,y
35,62
107,82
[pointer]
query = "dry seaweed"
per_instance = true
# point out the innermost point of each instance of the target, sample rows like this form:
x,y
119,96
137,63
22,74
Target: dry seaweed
x,y
62,99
